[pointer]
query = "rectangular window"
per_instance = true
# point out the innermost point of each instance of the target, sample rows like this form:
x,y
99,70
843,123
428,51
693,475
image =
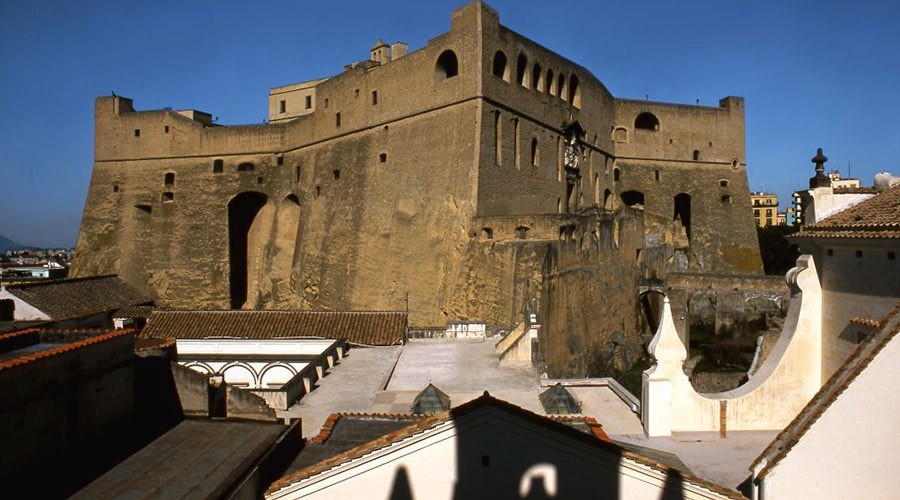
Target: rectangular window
x,y
282,106
337,119
308,102
137,132
166,129
374,97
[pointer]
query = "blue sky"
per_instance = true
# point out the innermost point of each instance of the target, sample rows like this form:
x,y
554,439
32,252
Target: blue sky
x,y
814,74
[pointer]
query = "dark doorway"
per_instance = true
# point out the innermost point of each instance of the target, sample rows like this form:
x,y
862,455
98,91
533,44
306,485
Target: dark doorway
x,y
7,310
242,209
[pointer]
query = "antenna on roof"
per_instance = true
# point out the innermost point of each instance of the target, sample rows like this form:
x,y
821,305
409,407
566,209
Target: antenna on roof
x,y
848,170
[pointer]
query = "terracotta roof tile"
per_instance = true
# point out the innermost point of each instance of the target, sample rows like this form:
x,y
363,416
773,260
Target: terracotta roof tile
x,y
877,217
79,297
32,357
356,327
848,372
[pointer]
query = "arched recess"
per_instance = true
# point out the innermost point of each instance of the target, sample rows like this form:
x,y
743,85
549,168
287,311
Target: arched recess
x,y
608,200
199,366
239,374
549,83
447,65
682,213
537,78
501,69
561,86
632,198
574,92
243,243
287,225
276,375
646,121
521,69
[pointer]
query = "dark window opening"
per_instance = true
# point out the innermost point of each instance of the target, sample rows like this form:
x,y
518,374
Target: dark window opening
x,y
548,83
115,188
279,160
447,65
166,129
696,154
297,173
617,174
246,167
337,119
892,255
859,254
561,86
607,199
168,197
144,209
499,69
335,174
632,198
487,233
242,210
317,192
218,166
536,81
521,67
723,183
522,232
574,92
374,97
726,198
169,179
646,121
535,153
682,212
356,93
656,174
137,132
326,102
830,252
282,106
382,158
259,180
308,102
8,311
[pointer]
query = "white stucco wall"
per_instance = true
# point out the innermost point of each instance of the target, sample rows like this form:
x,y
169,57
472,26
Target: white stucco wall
x,y
23,310
853,450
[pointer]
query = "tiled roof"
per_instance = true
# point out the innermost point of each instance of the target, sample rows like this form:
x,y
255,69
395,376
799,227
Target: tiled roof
x,y
135,312
62,348
356,327
848,372
473,405
875,218
79,297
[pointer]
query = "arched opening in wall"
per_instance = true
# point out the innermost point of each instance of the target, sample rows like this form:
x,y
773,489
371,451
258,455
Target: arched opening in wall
x,y
447,65
561,86
239,375
535,152
633,199
287,225
522,232
487,233
620,134
169,179
696,154
500,68
245,167
646,121
682,213
574,92
242,211
617,174
608,200
521,69
275,376
537,78
7,310
167,197
549,83
596,189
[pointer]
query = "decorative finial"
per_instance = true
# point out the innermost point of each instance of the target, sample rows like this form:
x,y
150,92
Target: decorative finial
x,y
820,179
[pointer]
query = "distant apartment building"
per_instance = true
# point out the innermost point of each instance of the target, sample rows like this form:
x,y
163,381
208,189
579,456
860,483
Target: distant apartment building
x,y
837,182
765,208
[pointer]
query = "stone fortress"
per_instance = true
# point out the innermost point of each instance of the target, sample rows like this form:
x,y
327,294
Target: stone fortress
x,y
474,179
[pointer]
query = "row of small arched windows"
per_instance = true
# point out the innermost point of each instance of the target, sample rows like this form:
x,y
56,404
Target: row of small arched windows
x,y
536,79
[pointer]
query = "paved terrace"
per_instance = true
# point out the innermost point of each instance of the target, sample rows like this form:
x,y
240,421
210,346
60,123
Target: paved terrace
x,y
387,379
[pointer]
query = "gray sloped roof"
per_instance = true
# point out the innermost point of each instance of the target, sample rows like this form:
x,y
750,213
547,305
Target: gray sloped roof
x,y
79,297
